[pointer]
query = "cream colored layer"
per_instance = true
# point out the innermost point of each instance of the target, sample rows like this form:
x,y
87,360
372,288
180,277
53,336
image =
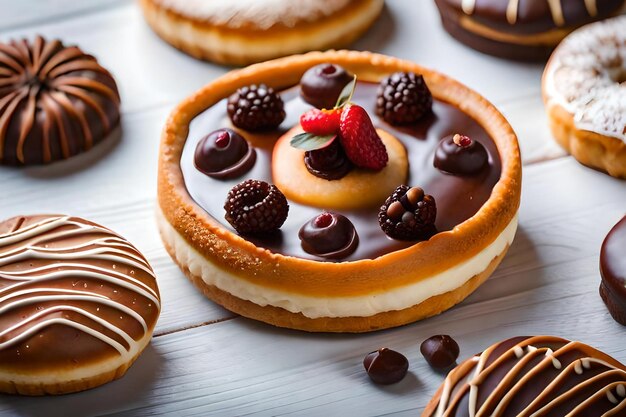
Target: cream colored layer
x,y
316,307
79,374
227,44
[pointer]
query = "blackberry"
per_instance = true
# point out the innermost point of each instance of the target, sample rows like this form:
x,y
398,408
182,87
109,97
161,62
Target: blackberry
x,y
408,214
254,207
256,108
403,98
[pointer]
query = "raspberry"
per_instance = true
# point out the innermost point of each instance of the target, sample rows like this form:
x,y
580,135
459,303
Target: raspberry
x,y
321,122
403,98
254,207
256,108
408,214
358,136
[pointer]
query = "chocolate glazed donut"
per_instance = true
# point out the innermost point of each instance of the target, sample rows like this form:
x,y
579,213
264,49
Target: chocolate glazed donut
x,y
520,29
55,102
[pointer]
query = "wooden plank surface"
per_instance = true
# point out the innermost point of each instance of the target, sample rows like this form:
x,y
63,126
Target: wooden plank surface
x,y
205,362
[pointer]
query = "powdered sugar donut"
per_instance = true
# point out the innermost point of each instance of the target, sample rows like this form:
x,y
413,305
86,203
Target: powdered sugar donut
x,y
246,31
584,89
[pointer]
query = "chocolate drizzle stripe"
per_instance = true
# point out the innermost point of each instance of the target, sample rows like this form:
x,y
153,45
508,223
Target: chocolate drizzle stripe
x,y
69,108
80,94
65,248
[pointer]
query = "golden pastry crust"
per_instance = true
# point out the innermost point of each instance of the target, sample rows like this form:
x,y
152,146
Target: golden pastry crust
x,y
248,43
233,254
597,151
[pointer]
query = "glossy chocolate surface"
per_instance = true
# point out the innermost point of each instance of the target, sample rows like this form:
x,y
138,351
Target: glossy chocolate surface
x,y
441,351
75,294
546,375
329,235
385,366
458,198
56,100
460,159
613,270
224,154
321,85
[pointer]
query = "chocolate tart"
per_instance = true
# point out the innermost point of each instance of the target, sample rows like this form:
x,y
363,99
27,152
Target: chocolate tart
x,y
384,283
249,31
535,376
522,30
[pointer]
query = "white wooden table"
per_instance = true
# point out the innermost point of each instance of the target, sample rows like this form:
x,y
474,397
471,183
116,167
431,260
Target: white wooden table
x,y
205,360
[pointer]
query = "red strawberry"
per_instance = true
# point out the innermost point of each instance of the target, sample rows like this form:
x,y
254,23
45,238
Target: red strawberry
x,y
321,122
358,136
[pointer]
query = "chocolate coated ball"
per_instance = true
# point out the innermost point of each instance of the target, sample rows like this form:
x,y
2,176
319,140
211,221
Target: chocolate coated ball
x,y
321,85
460,155
224,154
329,235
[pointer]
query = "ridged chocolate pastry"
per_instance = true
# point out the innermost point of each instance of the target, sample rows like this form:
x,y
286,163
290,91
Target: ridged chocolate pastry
x,y
55,102
520,29
78,304
613,270
536,376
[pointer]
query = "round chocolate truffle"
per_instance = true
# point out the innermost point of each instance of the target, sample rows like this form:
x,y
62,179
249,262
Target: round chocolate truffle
x,y
613,271
385,366
224,154
460,155
321,85
56,102
329,235
79,304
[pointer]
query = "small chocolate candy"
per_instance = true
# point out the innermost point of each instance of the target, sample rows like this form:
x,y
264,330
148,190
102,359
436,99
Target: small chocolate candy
x,y
613,271
385,366
460,155
329,235
441,351
321,85
224,154
329,163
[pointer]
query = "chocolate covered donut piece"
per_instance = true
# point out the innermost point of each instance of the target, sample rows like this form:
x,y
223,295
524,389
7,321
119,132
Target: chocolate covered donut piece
x,y
79,304
55,102
539,376
613,271
524,30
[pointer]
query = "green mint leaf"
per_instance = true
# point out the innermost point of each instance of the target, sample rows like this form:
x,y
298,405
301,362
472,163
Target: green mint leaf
x,y
310,142
346,94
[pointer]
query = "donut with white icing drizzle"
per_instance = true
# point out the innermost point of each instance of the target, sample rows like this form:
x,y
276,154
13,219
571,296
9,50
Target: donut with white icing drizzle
x,y
241,32
584,89
536,376
520,29
78,304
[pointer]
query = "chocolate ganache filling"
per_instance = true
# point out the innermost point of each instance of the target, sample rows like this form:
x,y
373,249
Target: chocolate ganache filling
x,y
458,197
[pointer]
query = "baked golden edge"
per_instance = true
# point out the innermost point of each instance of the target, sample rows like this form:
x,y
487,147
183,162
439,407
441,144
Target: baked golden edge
x,y
157,16
67,384
592,149
230,252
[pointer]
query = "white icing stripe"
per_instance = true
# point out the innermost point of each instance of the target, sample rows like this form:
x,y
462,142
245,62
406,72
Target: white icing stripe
x,y
468,6
66,249
85,296
122,281
511,11
592,7
35,329
557,12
